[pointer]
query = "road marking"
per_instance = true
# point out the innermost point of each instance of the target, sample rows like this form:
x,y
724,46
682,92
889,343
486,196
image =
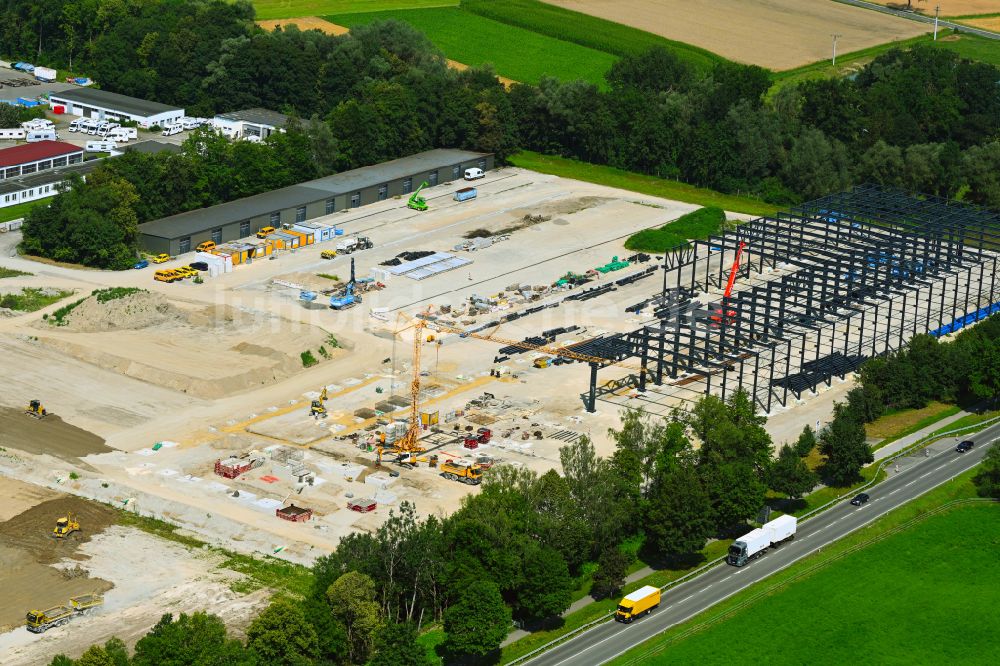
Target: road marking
x,y
685,598
753,582
928,474
894,491
909,484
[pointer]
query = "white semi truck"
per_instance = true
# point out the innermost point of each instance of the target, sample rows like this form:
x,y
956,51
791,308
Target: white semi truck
x,y
755,543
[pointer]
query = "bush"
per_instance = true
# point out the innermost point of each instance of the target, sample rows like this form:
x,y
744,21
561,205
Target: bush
x,y
332,341
31,299
699,224
308,360
59,316
10,272
114,293
323,352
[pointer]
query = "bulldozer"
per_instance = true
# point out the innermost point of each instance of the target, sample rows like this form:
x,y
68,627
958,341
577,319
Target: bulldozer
x,y
36,410
317,409
65,526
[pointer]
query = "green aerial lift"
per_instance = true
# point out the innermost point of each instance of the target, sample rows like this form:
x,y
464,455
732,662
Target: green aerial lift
x,y
416,201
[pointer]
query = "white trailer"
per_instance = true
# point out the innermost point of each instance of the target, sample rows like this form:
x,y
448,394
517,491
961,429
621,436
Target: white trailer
x,y
12,134
755,543
781,528
46,74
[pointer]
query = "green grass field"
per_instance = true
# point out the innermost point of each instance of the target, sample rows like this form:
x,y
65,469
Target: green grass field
x,y
898,600
637,182
585,30
20,210
696,225
967,46
279,9
516,53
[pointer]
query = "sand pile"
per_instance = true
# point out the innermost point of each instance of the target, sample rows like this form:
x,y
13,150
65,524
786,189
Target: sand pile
x,y
133,312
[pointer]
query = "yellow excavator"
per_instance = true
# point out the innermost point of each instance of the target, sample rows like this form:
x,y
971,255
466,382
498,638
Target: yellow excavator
x,y
65,526
36,410
317,409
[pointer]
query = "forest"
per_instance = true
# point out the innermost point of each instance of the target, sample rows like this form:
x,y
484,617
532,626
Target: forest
x,y
923,120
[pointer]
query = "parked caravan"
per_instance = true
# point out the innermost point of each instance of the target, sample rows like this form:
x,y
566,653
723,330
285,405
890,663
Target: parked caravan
x,y
12,134
101,146
123,134
41,135
170,130
46,74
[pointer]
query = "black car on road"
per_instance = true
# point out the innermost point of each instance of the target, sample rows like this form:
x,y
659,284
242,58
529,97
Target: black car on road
x,y
860,499
965,446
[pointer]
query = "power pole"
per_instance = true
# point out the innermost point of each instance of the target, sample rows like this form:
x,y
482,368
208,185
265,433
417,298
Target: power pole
x,y
835,36
937,10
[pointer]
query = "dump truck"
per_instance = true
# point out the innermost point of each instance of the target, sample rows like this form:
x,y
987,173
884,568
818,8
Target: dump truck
x,y
464,471
481,436
38,621
638,603
65,526
755,543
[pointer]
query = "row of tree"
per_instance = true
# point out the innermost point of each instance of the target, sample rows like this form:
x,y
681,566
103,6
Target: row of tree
x,y
965,369
923,119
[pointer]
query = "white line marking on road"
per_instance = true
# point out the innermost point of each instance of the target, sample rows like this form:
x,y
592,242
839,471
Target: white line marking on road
x,y
923,475
752,582
894,491
909,484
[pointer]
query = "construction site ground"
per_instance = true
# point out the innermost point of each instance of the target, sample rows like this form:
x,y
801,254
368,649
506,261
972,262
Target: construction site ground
x,y
149,391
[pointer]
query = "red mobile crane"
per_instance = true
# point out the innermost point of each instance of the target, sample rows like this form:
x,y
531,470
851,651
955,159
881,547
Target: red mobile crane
x,y
730,315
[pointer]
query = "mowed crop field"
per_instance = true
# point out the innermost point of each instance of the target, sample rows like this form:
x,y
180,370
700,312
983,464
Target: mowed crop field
x,y
277,9
516,53
777,34
926,595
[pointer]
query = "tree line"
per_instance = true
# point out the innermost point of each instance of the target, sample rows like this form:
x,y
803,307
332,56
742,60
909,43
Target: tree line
x,y
921,119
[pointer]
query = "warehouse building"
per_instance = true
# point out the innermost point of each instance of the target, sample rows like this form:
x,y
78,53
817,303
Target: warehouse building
x,y
230,221
104,105
251,122
31,158
40,185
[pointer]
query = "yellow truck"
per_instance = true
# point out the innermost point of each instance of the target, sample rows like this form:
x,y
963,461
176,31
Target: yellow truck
x,y
460,470
638,603
38,621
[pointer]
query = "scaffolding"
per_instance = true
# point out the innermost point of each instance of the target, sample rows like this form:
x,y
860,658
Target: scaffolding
x,y
822,287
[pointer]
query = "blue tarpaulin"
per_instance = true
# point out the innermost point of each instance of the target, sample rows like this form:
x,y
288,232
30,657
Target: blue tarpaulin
x,y
967,320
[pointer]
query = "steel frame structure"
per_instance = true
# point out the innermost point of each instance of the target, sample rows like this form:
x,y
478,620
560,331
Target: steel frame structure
x,y
823,287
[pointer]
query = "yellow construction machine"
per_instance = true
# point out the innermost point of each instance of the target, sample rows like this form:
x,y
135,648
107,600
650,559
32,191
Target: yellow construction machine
x,y
36,410
317,409
65,526
38,621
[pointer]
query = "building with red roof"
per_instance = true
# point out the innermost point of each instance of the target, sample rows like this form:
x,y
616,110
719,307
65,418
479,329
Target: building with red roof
x,y
31,158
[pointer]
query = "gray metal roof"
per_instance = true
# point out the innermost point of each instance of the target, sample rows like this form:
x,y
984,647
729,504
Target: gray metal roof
x,y
185,224
258,116
45,177
114,101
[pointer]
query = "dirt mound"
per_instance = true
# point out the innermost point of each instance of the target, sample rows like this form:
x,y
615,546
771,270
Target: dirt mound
x,y
50,435
136,311
27,550
223,318
31,530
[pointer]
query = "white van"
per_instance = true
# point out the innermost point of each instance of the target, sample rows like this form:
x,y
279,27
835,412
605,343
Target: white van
x,y
474,174
123,134
100,146
41,135
12,134
103,132
190,123
170,130
74,125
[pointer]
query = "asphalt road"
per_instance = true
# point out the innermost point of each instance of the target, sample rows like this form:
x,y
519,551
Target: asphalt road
x,y
922,18
917,475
